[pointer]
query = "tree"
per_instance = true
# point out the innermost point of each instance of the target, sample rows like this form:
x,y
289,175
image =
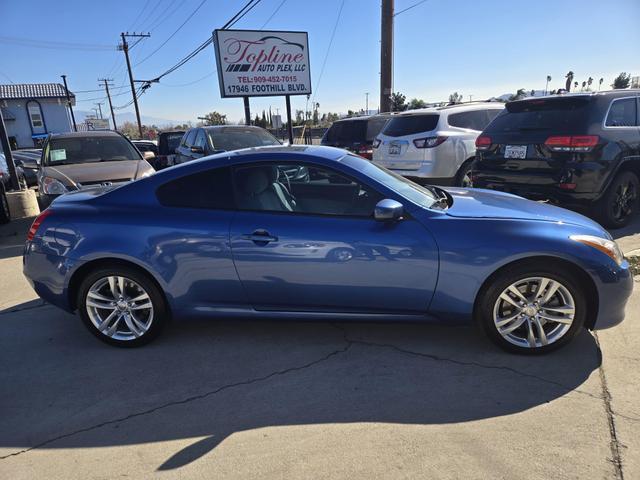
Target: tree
x,y
350,113
214,118
546,88
600,82
416,103
521,93
569,77
589,82
455,97
621,81
398,102
575,85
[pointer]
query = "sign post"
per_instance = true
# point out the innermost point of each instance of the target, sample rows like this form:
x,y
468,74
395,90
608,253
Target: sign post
x,y
258,63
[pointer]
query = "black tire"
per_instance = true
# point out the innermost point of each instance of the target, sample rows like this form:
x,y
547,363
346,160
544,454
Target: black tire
x,y
620,202
462,177
160,310
5,214
490,294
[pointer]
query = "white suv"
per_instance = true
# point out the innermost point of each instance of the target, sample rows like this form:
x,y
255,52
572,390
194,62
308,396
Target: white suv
x,y
434,145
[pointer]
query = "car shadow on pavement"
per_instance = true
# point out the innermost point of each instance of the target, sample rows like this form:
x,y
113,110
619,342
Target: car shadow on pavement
x,y
204,381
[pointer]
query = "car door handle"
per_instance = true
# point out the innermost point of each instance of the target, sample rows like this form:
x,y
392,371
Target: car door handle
x,y
260,236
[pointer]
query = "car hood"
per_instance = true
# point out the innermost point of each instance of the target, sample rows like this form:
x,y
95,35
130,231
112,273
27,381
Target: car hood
x,y
98,172
480,203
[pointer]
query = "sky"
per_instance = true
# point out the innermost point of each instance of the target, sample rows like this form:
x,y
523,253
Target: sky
x,y
479,48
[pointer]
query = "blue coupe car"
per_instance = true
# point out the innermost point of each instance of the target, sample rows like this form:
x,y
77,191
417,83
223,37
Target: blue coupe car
x,y
307,232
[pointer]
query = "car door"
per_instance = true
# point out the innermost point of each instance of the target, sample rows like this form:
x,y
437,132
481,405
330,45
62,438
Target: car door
x,y
304,238
183,152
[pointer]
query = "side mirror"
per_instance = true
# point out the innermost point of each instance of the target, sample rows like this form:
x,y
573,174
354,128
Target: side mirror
x,y
388,210
148,156
197,150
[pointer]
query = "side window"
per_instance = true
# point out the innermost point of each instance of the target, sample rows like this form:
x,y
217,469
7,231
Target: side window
x,y
210,189
188,138
622,113
491,114
200,140
302,189
460,120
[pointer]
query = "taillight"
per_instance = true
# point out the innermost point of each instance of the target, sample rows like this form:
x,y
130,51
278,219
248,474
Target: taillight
x,y
429,142
483,142
36,224
574,143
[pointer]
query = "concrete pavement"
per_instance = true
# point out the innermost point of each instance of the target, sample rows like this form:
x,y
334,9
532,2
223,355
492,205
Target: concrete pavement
x,y
241,399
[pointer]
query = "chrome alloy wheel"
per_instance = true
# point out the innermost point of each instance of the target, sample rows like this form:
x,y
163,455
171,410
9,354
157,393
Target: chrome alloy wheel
x,y
534,312
119,308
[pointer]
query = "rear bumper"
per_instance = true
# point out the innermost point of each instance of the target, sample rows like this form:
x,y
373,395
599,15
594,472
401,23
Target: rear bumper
x,y
48,275
552,193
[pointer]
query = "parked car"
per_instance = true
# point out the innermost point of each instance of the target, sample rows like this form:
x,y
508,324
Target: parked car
x,y
311,232
434,145
167,144
79,160
28,160
202,141
5,185
355,134
578,150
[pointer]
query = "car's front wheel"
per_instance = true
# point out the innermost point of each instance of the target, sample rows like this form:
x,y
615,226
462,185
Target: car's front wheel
x,y
532,310
121,306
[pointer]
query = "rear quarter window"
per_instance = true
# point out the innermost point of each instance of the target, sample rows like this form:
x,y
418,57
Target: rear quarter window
x,y
211,189
622,113
348,131
410,124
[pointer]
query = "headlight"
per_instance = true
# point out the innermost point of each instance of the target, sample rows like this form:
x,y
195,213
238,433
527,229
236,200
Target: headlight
x,y
606,246
52,186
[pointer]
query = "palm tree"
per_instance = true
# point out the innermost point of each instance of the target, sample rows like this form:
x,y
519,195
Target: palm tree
x,y
546,88
569,77
584,85
589,82
575,84
600,83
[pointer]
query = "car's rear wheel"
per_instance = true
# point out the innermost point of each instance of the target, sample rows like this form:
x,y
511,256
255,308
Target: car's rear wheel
x,y
463,177
5,214
121,306
620,202
532,310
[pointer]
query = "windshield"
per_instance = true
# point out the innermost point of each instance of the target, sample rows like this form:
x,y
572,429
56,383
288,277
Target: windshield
x,y
237,138
69,150
406,188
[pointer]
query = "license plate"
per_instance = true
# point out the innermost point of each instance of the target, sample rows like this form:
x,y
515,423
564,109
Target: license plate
x,y
394,149
515,151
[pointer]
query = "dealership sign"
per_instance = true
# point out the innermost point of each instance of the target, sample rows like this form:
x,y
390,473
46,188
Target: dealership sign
x,y
253,63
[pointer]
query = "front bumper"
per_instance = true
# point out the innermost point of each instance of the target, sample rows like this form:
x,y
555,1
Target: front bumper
x,y
614,289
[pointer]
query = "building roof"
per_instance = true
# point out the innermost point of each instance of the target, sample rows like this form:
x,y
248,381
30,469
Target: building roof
x,y
33,90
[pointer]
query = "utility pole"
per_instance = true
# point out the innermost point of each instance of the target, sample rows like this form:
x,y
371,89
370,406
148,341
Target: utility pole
x,y
66,89
125,49
4,140
386,55
106,87
366,111
99,104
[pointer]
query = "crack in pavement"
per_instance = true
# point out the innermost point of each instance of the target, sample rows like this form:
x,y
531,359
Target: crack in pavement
x,y
614,442
22,309
183,401
349,342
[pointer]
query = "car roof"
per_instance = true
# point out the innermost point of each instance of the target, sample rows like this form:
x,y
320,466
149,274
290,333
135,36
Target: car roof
x,y
468,106
96,133
229,127
364,117
626,92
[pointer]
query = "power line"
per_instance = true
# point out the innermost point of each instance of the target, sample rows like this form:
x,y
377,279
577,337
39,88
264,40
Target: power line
x,y
133,24
173,34
49,44
273,14
409,8
326,56
189,83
